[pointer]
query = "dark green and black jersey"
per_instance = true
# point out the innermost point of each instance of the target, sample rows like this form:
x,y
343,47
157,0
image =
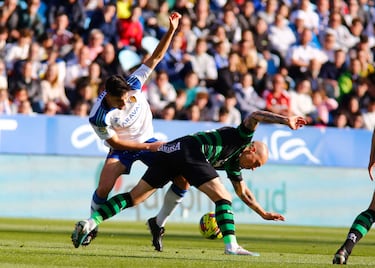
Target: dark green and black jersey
x,y
223,146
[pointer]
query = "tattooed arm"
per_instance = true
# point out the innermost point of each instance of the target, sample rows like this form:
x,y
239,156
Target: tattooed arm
x,y
294,122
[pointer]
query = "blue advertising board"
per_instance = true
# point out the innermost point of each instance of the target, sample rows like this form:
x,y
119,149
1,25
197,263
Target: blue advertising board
x,y
70,135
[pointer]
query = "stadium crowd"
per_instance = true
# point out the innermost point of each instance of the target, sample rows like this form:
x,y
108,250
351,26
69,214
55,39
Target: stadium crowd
x,y
227,59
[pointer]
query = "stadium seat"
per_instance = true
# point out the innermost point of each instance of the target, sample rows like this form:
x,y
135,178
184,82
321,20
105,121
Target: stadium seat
x,y
128,59
149,43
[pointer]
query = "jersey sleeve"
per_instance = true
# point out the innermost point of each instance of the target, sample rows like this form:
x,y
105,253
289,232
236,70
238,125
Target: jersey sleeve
x,y
139,77
234,175
103,132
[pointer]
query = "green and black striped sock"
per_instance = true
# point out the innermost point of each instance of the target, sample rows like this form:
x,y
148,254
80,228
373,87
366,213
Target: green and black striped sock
x,y
112,207
361,225
225,220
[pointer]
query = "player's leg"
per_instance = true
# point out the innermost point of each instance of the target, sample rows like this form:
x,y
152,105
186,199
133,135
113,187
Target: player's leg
x,y
172,199
216,191
110,208
111,170
361,225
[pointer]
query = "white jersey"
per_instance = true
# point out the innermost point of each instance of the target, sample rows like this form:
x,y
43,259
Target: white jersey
x,y
134,122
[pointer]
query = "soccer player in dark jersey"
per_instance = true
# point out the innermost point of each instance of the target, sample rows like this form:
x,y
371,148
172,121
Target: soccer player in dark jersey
x,y
363,222
196,158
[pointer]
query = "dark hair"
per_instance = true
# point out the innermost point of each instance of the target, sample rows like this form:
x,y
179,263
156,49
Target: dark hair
x,y
116,86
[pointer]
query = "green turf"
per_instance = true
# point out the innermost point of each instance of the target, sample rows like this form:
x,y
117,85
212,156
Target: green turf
x,y
46,243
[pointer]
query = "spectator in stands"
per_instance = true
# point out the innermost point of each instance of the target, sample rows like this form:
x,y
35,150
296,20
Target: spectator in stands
x,y
260,77
358,121
5,102
168,112
52,87
109,62
25,108
180,102
94,78
95,43
223,115
18,50
191,87
51,108
203,64
230,75
311,18
322,9
32,86
83,92
130,30
17,96
160,92
260,34
3,41
331,71
220,54
219,36
277,98
325,106
9,17
340,120
348,80
247,17
329,46
369,115
203,20
281,36
248,52
343,36
52,57
205,106
234,115
3,75
162,16
268,14
191,113
300,55
248,100
105,19
189,39
61,36
175,62
231,26
30,19
81,108
352,110
75,11
76,70
301,103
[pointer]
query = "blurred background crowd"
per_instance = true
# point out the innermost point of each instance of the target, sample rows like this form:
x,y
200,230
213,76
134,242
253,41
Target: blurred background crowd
x,y
227,59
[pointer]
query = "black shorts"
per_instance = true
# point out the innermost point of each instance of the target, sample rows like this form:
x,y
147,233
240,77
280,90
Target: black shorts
x,y
180,157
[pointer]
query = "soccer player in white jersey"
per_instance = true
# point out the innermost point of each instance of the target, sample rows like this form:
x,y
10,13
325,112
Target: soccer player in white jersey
x,y
122,117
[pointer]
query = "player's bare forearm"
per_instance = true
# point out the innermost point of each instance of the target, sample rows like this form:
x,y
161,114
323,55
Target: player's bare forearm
x,y
163,45
294,122
118,144
245,194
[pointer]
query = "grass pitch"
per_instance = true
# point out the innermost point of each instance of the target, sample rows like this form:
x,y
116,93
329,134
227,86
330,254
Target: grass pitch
x,y
46,243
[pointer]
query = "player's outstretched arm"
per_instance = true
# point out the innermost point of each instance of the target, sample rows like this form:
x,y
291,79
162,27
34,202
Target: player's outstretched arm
x,y
249,199
371,163
294,122
163,45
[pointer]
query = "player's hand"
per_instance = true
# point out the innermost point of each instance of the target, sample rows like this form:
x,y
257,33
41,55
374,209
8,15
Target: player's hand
x,y
155,146
174,20
296,122
273,216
